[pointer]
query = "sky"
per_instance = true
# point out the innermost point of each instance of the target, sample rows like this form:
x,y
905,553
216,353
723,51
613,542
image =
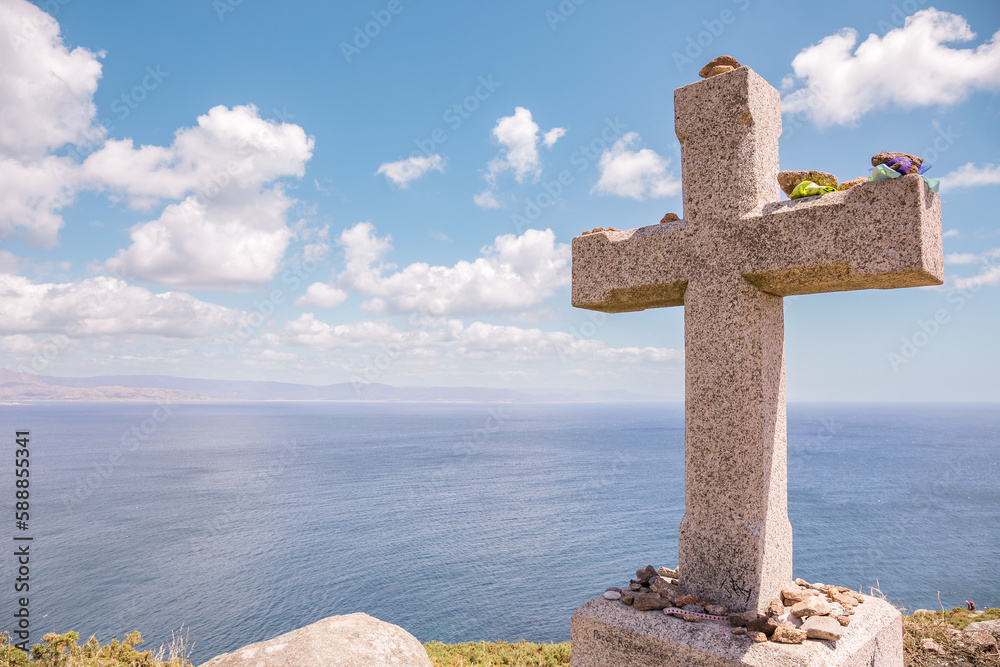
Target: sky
x,y
386,191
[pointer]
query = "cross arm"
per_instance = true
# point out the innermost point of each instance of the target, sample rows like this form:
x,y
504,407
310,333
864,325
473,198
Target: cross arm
x,y
878,235
641,268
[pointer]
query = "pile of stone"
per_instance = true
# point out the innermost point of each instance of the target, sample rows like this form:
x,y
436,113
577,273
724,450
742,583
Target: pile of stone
x,y
601,229
804,611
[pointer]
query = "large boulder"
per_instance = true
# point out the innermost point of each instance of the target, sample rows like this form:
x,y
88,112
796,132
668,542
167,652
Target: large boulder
x,y
354,640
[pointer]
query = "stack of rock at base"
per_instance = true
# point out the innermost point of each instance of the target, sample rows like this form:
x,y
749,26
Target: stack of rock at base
x,y
804,611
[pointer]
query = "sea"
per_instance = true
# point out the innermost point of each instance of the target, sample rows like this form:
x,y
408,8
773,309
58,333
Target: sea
x,y
457,521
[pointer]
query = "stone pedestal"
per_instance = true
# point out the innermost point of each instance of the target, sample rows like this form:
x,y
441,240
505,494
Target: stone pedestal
x,y
607,633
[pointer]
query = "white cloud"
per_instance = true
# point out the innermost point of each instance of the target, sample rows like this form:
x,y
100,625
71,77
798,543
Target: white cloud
x,y
970,176
515,272
439,339
229,232
53,87
552,136
321,295
307,331
487,199
635,174
105,306
908,67
47,92
518,136
988,275
973,258
404,172
950,233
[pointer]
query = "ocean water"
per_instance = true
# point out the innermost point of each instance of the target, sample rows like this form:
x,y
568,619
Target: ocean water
x,y
458,522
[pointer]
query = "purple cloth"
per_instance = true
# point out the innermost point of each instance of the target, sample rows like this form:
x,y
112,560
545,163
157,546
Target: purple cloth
x,y
900,164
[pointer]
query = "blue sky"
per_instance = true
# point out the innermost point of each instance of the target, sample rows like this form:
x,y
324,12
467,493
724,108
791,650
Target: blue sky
x,y
320,192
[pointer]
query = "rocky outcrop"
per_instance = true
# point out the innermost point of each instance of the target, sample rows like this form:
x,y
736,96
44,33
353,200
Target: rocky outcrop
x,y
354,640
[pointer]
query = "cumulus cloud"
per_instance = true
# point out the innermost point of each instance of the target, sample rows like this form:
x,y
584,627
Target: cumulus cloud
x,y
105,306
514,272
321,295
519,136
909,66
971,176
635,174
440,338
404,172
47,92
229,231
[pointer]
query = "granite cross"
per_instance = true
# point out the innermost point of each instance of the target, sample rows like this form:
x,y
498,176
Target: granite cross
x,y
729,261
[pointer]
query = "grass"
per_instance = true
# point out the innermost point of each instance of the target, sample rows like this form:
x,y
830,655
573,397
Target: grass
x,y
495,654
943,626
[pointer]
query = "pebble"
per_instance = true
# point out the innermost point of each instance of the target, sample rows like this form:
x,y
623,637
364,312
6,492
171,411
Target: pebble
x,y
775,608
823,627
613,588
739,631
743,619
646,573
649,602
757,636
812,606
687,599
698,609
666,571
786,633
669,217
765,624
717,609
843,620
612,595
689,618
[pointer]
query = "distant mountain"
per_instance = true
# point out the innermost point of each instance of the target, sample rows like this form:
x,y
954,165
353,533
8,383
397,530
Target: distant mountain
x,y
25,387
20,386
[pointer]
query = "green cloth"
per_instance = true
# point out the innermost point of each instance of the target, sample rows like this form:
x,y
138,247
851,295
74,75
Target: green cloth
x,y
810,189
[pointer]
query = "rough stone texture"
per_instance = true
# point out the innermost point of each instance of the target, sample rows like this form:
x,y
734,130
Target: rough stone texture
x,y
354,640
787,633
985,626
789,179
847,185
650,601
815,605
775,608
823,627
883,157
719,65
729,261
609,634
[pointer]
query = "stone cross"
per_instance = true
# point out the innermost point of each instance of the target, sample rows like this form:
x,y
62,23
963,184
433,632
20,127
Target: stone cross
x,y
729,261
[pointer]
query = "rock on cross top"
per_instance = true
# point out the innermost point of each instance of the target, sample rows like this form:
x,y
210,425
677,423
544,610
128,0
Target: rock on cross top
x,y
729,261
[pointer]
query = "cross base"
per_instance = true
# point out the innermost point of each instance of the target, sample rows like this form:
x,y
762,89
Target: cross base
x,y
607,633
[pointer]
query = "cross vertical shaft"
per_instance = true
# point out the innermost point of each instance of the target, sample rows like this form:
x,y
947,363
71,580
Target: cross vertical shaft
x,y
735,539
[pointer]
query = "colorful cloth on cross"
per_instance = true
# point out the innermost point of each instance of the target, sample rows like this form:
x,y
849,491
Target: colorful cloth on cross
x,y
810,189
